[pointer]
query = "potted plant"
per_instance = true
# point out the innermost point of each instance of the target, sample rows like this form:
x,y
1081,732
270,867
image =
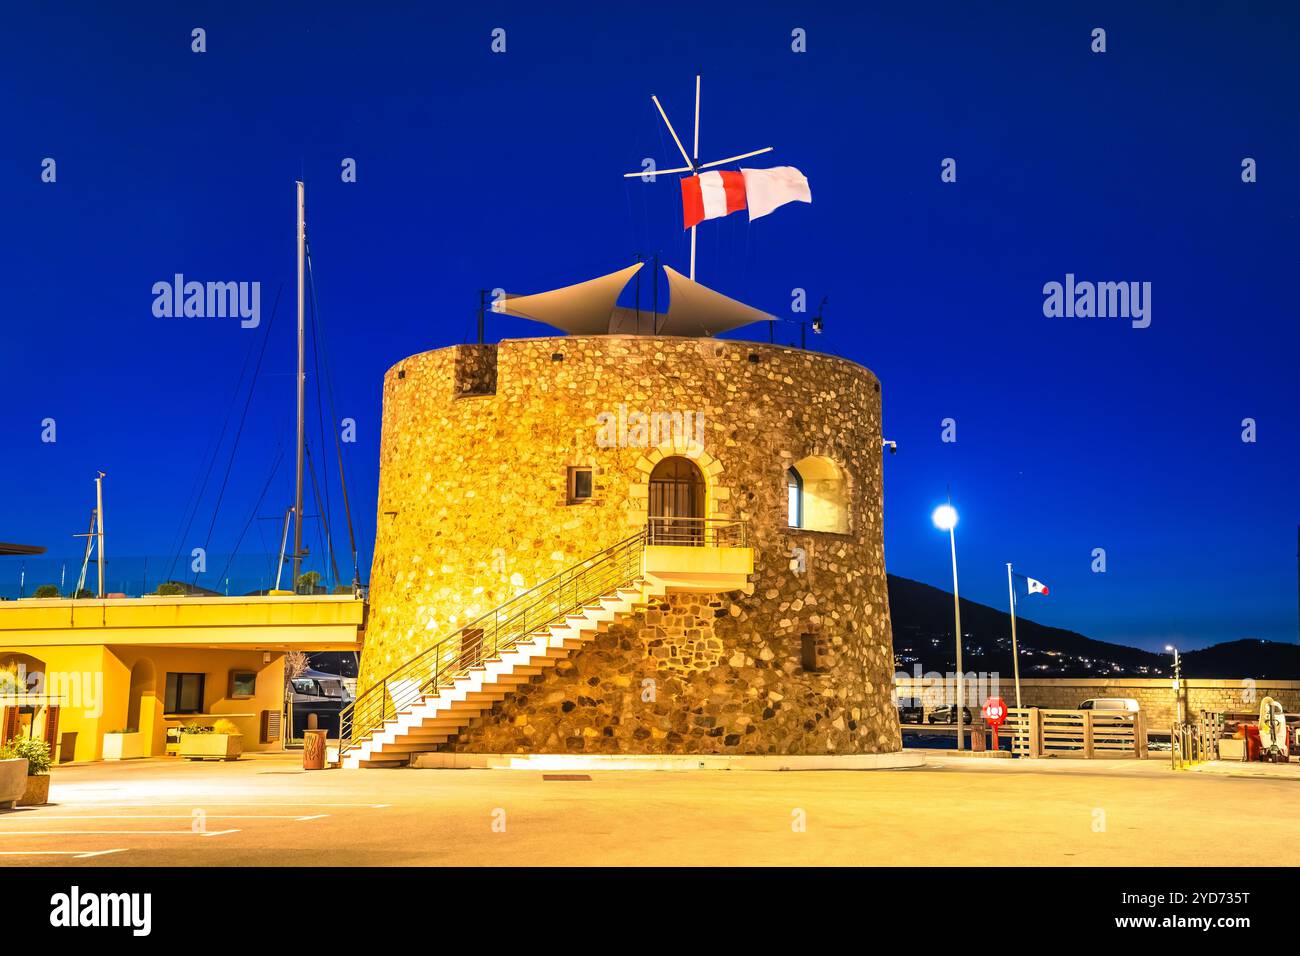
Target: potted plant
x,y
13,778
36,783
125,744
221,741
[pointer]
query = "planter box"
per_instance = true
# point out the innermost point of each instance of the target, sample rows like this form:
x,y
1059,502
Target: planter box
x,y
37,793
1232,748
123,746
13,782
212,746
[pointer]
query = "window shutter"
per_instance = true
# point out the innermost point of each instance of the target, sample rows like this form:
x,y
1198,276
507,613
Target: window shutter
x,y
270,726
52,730
9,724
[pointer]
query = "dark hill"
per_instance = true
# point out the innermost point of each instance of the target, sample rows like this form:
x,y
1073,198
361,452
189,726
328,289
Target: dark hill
x,y
922,619
1262,660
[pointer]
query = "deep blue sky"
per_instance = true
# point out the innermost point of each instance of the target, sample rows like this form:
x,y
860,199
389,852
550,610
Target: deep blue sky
x,y
489,170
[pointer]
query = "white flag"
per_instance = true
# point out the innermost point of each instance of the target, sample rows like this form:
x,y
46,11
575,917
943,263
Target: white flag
x,y
766,189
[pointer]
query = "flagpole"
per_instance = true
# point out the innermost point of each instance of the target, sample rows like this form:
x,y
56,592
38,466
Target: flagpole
x,y
1015,653
695,158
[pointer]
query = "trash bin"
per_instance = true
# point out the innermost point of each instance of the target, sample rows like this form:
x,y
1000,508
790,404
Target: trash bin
x,y
977,737
1253,746
313,749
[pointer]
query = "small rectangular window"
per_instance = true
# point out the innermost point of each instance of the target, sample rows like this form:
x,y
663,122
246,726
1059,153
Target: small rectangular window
x,y
184,694
810,653
579,485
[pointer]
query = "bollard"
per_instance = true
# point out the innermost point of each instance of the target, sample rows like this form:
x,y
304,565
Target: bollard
x,y
313,749
977,738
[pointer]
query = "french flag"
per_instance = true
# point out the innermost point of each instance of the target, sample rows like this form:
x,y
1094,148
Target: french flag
x,y
712,195
1032,585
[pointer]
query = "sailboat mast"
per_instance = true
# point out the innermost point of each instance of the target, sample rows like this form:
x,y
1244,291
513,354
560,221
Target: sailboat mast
x,y
99,524
302,392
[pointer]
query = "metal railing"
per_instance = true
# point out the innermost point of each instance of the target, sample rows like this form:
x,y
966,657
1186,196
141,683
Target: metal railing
x,y
488,636
697,532
1194,743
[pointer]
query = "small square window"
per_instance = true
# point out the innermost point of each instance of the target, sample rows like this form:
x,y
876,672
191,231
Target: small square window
x,y
184,694
579,485
243,684
812,653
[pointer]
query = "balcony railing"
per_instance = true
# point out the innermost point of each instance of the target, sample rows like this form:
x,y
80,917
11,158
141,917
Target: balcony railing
x,y
486,638
697,533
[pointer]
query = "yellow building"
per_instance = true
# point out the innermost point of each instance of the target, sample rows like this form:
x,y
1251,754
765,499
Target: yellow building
x,y
99,667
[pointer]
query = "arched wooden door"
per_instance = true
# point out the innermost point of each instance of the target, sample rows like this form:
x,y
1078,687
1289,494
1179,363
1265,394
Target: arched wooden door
x,y
676,502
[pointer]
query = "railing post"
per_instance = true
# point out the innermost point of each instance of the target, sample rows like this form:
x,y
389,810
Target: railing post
x,y
1035,732
1087,734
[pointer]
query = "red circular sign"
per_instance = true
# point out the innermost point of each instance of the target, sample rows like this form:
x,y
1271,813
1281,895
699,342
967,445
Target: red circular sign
x,y
995,710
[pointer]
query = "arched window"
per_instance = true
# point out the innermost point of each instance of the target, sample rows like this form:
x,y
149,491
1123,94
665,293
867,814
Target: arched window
x,y
818,494
794,495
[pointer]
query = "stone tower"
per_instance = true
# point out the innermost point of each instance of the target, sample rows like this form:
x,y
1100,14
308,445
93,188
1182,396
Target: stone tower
x,y
501,465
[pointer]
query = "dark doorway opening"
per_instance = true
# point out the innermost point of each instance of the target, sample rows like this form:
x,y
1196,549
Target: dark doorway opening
x,y
676,502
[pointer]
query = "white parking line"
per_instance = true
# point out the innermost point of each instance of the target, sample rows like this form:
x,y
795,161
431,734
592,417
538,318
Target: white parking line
x,y
37,818
27,833
78,854
90,804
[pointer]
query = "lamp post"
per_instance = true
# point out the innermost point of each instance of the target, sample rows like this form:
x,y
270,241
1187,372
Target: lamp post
x,y
945,519
1178,682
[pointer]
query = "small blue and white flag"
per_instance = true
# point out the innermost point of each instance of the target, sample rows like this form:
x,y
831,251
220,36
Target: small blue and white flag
x,y
1035,586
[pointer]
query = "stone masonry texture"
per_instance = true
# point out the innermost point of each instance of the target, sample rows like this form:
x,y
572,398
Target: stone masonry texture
x,y
473,509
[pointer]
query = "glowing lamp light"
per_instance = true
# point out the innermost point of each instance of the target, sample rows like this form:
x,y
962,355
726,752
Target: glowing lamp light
x,y
945,517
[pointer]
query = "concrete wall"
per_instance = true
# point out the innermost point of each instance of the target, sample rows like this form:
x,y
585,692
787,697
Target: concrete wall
x,y
473,511
1156,697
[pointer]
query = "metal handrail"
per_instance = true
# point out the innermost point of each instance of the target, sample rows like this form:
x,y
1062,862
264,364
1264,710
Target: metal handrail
x,y
484,638
697,532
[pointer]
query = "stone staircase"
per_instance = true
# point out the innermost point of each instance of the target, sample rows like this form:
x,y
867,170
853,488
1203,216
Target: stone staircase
x,y
430,719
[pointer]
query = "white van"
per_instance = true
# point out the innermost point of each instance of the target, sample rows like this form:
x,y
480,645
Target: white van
x,y
1122,704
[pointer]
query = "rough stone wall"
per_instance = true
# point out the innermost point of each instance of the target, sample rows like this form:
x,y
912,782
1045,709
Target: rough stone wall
x,y
476,370
473,510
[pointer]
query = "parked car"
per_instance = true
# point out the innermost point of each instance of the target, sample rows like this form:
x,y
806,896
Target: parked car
x,y
1121,704
322,694
948,715
910,713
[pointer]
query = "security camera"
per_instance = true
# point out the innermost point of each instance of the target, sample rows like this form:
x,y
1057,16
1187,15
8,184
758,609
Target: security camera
x,y
891,445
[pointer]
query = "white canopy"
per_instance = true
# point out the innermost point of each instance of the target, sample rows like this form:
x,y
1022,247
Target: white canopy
x,y
590,308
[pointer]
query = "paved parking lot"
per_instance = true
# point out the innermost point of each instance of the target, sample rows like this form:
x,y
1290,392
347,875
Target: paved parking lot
x,y
266,811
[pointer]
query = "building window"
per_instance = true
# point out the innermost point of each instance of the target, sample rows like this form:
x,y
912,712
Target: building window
x,y
243,684
579,485
794,494
184,694
818,492
812,653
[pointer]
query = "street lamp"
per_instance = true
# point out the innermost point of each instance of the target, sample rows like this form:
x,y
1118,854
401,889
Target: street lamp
x,y
945,519
1178,681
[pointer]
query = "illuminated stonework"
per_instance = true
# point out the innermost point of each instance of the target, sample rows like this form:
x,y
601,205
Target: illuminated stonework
x,y
477,503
